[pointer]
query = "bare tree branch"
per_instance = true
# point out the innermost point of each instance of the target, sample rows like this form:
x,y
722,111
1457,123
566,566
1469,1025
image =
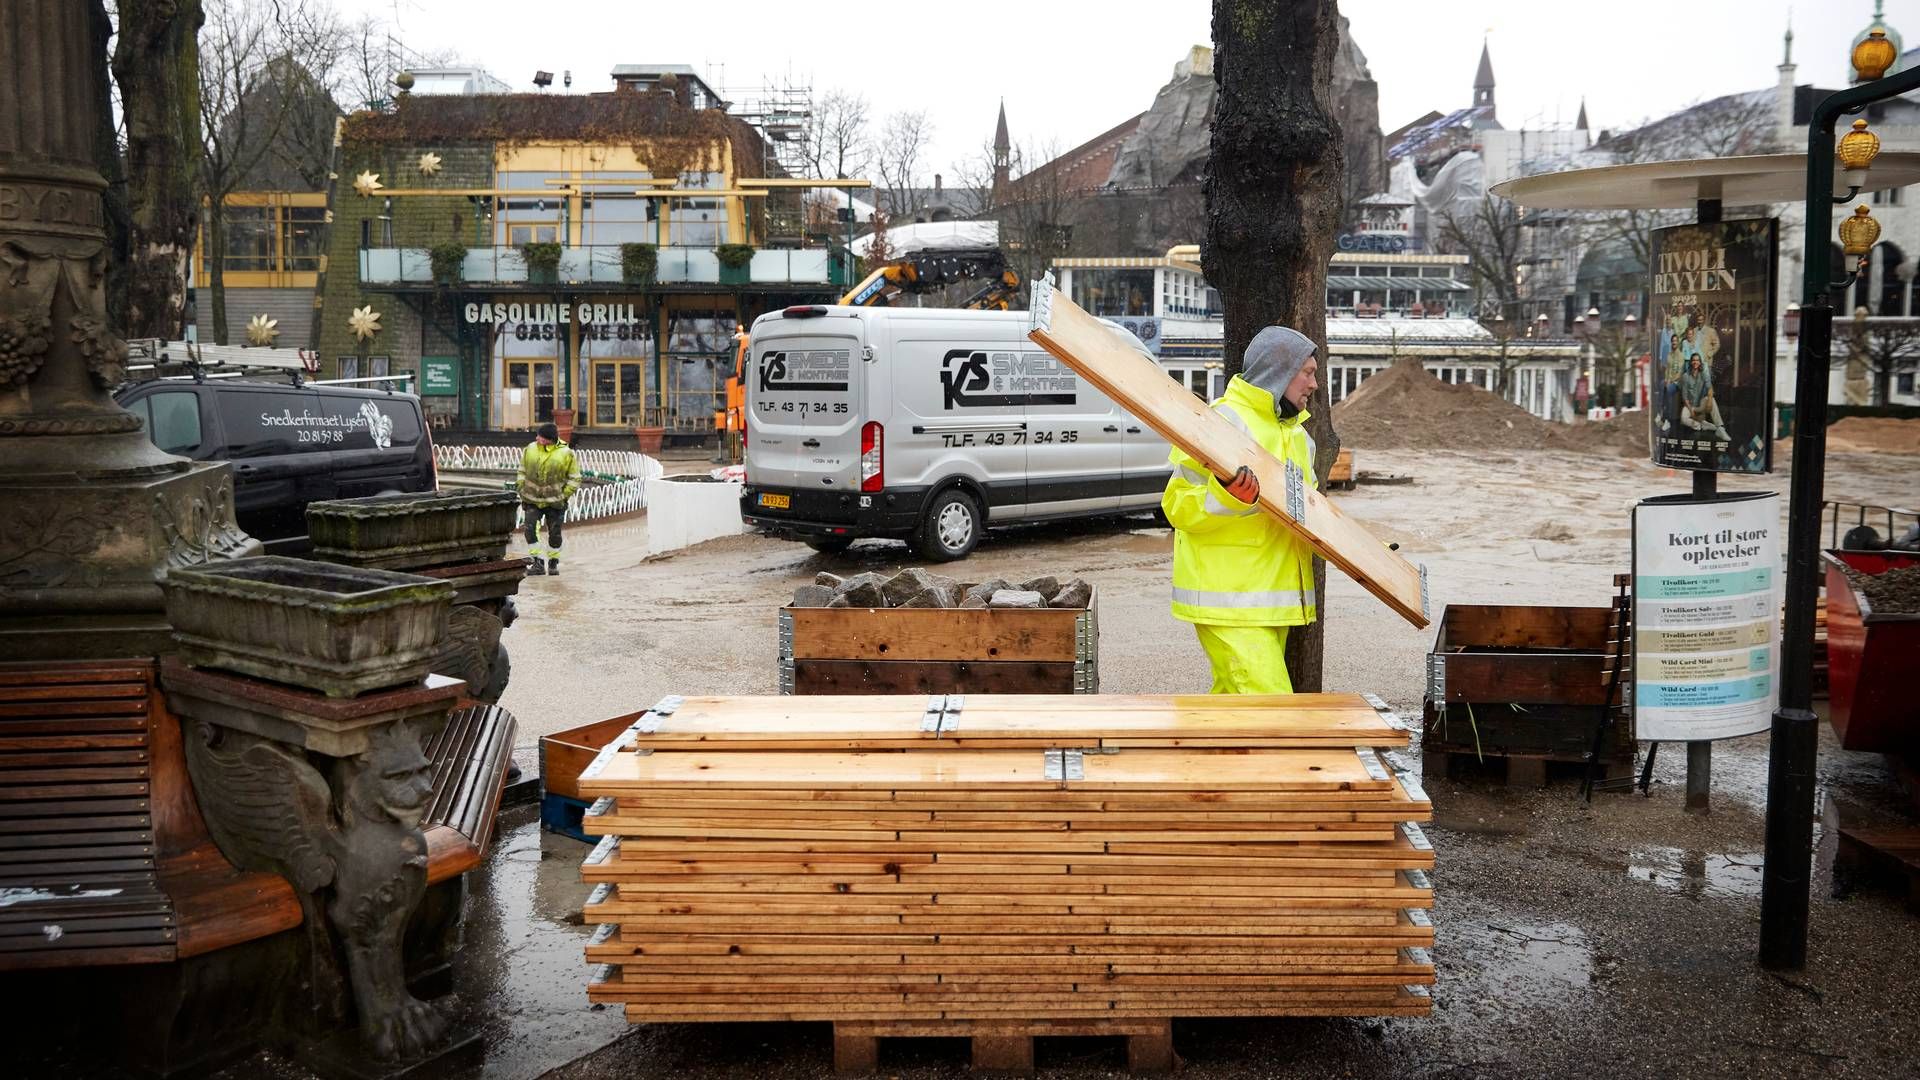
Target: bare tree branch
x,y
838,142
903,141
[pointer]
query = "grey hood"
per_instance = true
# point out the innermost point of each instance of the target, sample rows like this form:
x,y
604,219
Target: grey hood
x,y
1276,355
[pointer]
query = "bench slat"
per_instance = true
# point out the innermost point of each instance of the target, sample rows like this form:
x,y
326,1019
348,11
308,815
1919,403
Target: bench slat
x,y
56,776
70,725
36,710
16,812
11,744
73,757
37,840
76,691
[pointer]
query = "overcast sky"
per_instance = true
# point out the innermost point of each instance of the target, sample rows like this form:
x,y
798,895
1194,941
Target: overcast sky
x,y
1071,69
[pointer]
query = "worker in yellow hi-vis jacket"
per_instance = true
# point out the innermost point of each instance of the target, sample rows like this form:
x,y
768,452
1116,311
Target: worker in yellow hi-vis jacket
x,y
549,475
1239,576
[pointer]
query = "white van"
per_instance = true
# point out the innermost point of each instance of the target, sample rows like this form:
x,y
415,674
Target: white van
x,y
929,425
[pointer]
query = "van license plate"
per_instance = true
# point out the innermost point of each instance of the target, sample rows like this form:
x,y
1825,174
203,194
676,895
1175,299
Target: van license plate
x,y
776,502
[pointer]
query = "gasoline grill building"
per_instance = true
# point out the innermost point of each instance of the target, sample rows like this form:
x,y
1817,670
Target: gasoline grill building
x,y
585,259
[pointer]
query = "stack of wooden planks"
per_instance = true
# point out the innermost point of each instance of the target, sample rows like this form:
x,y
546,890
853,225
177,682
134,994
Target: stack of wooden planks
x,y
1008,857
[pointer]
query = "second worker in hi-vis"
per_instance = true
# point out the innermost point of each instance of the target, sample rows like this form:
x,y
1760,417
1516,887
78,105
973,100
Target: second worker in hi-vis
x,y
1240,576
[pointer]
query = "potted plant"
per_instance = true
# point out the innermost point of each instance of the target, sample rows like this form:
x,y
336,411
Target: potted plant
x,y
736,263
543,262
340,630
446,260
638,263
649,438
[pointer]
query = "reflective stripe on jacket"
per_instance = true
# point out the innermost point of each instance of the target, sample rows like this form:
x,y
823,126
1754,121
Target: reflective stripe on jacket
x,y
1234,564
549,475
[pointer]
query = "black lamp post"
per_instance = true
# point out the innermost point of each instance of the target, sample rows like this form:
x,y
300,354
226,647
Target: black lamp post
x,y
1793,751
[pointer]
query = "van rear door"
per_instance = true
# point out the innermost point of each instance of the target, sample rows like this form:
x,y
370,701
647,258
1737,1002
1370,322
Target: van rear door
x,y
380,448
805,394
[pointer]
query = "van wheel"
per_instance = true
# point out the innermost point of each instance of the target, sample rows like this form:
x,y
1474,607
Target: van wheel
x,y
830,545
951,528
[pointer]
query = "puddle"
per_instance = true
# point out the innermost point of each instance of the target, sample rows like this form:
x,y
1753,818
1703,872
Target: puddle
x,y
1526,961
1697,874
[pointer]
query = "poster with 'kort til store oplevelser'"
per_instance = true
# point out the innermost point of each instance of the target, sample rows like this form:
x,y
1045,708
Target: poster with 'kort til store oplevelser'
x,y
1712,322
1706,616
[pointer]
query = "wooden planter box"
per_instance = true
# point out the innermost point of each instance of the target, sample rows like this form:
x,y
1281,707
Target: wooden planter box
x,y
1525,682
940,650
563,755
1870,661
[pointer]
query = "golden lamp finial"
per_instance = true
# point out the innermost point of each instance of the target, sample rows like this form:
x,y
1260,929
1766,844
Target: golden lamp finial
x,y
1873,56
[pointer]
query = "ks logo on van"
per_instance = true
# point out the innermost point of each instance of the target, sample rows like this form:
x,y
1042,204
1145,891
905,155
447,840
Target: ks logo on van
x,y
818,369
974,379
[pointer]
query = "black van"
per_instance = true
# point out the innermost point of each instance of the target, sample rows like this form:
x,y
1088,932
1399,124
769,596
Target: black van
x,y
290,445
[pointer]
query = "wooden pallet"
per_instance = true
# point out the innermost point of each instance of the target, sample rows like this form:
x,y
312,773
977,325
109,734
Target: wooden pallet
x,y
1341,476
756,865
1004,1045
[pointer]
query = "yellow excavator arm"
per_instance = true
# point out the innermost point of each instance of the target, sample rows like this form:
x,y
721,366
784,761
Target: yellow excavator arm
x,y
936,269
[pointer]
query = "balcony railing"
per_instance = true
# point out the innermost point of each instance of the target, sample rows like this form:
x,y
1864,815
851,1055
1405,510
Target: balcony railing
x,y
600,265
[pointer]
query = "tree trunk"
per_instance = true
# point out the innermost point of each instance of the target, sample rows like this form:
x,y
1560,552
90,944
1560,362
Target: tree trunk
x,y
156,61
1273,189
112,167
215,229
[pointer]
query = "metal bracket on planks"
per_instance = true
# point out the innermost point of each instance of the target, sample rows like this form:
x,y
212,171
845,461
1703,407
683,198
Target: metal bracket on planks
x,y
1296,485
603,933
600,893
1437,679
1419,879
1391,718
1416,837
930,719
1426,610
786,635
1418,991
601,974
601,851
786,677
1418,917
1040,304
607,752
1411,784
602,807
1417,954
1064,765
1371,762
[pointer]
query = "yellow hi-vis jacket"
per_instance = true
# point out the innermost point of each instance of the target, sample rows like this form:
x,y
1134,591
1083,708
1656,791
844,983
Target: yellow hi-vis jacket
x,y
1234,564
549,475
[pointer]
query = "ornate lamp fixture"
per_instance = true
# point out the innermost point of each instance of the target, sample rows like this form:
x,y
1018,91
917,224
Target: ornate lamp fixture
x,y
1858,234
1874,55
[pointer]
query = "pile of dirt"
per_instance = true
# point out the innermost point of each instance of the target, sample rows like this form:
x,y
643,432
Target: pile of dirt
x,y
1406,408
1874,435
1894,592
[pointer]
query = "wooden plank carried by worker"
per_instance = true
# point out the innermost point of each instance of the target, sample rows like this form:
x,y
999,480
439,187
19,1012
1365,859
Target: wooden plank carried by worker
x,y
1099,354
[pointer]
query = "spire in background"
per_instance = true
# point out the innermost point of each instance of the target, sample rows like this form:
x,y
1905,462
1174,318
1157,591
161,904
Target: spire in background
x,y
1581,123
1483,79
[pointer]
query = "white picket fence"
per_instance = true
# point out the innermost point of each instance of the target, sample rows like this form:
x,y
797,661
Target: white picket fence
x,y
616,480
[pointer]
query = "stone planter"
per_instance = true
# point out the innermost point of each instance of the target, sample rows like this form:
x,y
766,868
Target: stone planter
x,y
339,630
408,532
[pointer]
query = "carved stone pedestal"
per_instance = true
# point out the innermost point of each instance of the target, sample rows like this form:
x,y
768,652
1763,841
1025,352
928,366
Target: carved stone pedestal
x,y
81,559
328,793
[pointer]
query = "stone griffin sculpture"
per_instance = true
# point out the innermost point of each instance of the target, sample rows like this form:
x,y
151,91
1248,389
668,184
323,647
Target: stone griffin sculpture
x,y
349,841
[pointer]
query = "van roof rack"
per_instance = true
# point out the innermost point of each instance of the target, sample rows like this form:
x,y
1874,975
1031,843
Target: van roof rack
x,y
153,358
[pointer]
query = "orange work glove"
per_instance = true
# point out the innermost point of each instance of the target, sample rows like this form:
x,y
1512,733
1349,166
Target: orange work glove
x,y
1244,486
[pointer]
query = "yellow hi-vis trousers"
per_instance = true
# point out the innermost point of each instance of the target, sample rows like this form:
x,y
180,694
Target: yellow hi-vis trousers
x,y
1246,659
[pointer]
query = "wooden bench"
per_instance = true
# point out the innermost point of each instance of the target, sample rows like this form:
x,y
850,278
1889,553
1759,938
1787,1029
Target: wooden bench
x,y
470,758
103,856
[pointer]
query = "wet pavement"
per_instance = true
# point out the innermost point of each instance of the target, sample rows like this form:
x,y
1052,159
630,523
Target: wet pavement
x,y
1615,938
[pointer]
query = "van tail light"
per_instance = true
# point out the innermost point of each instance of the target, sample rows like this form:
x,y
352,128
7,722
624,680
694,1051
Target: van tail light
x,y
873,473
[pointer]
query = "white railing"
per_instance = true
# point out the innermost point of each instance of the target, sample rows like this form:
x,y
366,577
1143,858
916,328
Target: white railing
x,y
616,480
